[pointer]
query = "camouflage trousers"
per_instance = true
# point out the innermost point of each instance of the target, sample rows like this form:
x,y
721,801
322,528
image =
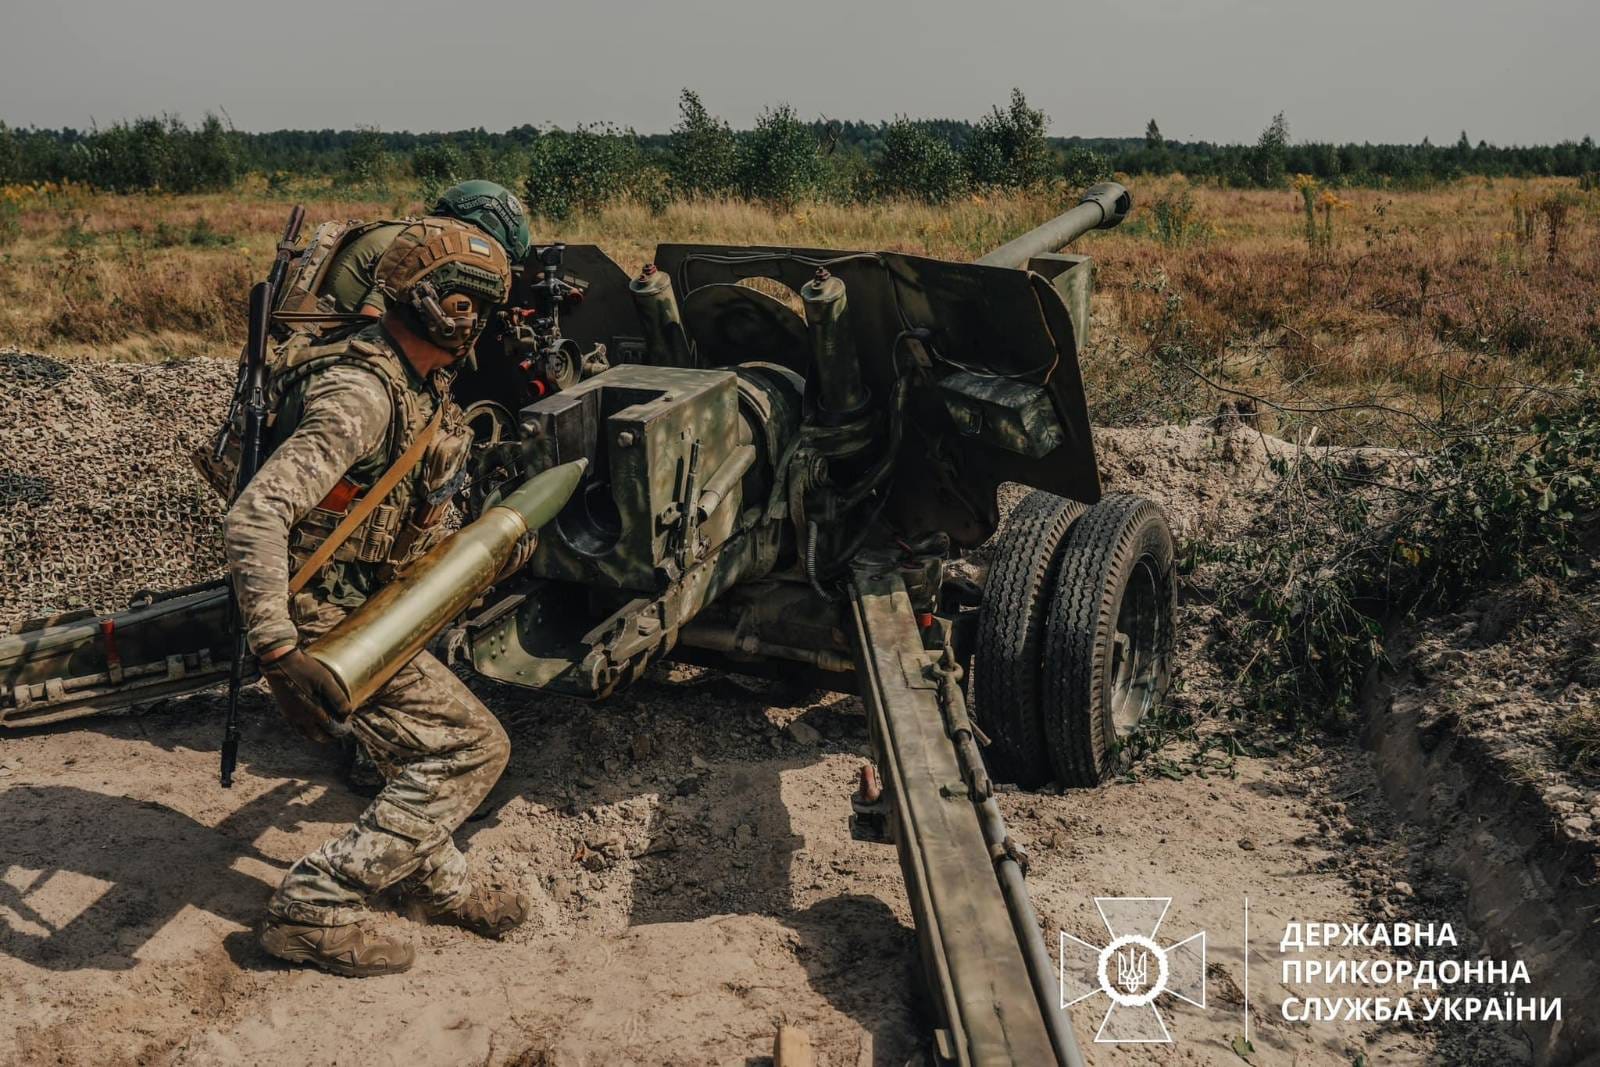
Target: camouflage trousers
x,y
441,752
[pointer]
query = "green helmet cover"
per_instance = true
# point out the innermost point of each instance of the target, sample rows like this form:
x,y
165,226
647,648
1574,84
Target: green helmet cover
x,y
492,208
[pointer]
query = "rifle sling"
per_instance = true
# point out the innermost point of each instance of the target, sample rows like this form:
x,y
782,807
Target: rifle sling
x,y
367,503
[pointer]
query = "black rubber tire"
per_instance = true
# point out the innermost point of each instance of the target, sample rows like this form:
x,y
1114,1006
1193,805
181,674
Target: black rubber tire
x,y
1008,700
1111,611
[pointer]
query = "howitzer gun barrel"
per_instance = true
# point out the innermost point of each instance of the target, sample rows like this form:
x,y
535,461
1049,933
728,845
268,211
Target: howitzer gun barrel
x,y
1101,207
375,640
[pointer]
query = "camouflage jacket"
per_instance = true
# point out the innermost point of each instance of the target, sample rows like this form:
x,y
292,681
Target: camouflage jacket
x,y
354,409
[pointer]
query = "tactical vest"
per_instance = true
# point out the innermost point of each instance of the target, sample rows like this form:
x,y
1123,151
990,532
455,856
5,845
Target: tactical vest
x,y
410,519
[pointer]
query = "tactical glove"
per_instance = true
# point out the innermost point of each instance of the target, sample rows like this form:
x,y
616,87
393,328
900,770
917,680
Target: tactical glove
x,y
308,695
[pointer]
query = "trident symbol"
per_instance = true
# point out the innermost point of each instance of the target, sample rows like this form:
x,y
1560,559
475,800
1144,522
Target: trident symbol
x,y
1133,969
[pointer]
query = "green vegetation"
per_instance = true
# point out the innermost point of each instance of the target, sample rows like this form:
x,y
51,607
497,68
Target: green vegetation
x,y
578,170
782,159
779,161
918,164
1356,541
703,159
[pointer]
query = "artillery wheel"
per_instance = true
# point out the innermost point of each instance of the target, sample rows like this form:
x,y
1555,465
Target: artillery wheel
x,y
1108,634
1008,696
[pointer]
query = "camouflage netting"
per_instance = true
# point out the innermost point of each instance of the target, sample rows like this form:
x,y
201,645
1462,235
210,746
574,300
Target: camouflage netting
x,y
98,499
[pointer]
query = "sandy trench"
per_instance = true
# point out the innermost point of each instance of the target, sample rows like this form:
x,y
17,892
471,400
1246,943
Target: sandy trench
x,y
687,850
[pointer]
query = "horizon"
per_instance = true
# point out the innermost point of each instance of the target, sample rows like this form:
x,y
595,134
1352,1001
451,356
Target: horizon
x,y
1206,70
547,127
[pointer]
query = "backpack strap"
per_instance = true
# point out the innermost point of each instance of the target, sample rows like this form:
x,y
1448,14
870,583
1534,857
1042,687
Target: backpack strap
x,y
365,506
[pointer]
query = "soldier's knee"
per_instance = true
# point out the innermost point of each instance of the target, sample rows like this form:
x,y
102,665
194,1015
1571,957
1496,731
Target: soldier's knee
x,y
496,745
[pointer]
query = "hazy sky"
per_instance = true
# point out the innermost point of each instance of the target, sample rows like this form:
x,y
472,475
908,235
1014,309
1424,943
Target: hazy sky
x,y
1379,70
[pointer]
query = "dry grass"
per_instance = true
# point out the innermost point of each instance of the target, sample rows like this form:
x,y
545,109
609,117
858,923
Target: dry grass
x,y
1417,291
1577,737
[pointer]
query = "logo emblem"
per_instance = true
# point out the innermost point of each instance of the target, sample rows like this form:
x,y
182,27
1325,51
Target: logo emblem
x,y
1133,969
478,245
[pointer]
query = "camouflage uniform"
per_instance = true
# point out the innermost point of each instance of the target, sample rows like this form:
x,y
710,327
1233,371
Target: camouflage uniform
x,y
340,425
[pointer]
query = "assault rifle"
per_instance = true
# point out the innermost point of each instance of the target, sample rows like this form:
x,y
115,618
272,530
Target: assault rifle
x,y
250,395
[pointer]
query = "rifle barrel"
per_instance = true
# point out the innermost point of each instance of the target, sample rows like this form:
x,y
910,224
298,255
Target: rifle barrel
x,y
291,234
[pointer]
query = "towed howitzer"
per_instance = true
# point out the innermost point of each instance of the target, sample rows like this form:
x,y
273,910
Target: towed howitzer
x,y
791,453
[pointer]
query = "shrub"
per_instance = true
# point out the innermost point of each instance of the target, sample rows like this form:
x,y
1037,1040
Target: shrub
x,y
1175,218
438,164
918,164
651,186
779,161
436,167
150,154
507,165
11,156
366,161
1305,597
10,218
209,157
703,154
1082,167
578,170
1267,161
1008,148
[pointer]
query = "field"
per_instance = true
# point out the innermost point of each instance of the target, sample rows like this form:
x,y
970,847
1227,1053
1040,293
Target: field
x,y
1402,296
1369,415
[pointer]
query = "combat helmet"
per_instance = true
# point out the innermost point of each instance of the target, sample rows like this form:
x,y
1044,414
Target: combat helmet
x,y
492,208
431,267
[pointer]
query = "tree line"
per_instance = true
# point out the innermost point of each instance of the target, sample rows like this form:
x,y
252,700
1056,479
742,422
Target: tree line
x,y
782,159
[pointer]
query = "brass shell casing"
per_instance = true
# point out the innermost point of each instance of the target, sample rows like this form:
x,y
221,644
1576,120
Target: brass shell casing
x,y
375,640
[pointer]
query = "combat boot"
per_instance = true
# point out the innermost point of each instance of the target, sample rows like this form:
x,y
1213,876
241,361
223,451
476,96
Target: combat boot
x,y
491,913
345,950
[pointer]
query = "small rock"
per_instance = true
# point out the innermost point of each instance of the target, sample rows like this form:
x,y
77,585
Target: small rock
x,y
591,860
699,764
1579,825
688,787
1247,844
804,733
608,845
1404,889
643,747
744,834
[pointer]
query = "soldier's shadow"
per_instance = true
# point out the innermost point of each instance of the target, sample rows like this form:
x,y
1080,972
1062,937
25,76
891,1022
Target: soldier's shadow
x,y
721,838
88,879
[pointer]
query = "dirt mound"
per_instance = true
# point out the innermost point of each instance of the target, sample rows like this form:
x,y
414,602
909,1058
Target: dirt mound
x,y
97,496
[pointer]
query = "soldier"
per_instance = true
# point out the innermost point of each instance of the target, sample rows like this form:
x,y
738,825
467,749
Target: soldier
x,y
347,414
347,284
336,274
